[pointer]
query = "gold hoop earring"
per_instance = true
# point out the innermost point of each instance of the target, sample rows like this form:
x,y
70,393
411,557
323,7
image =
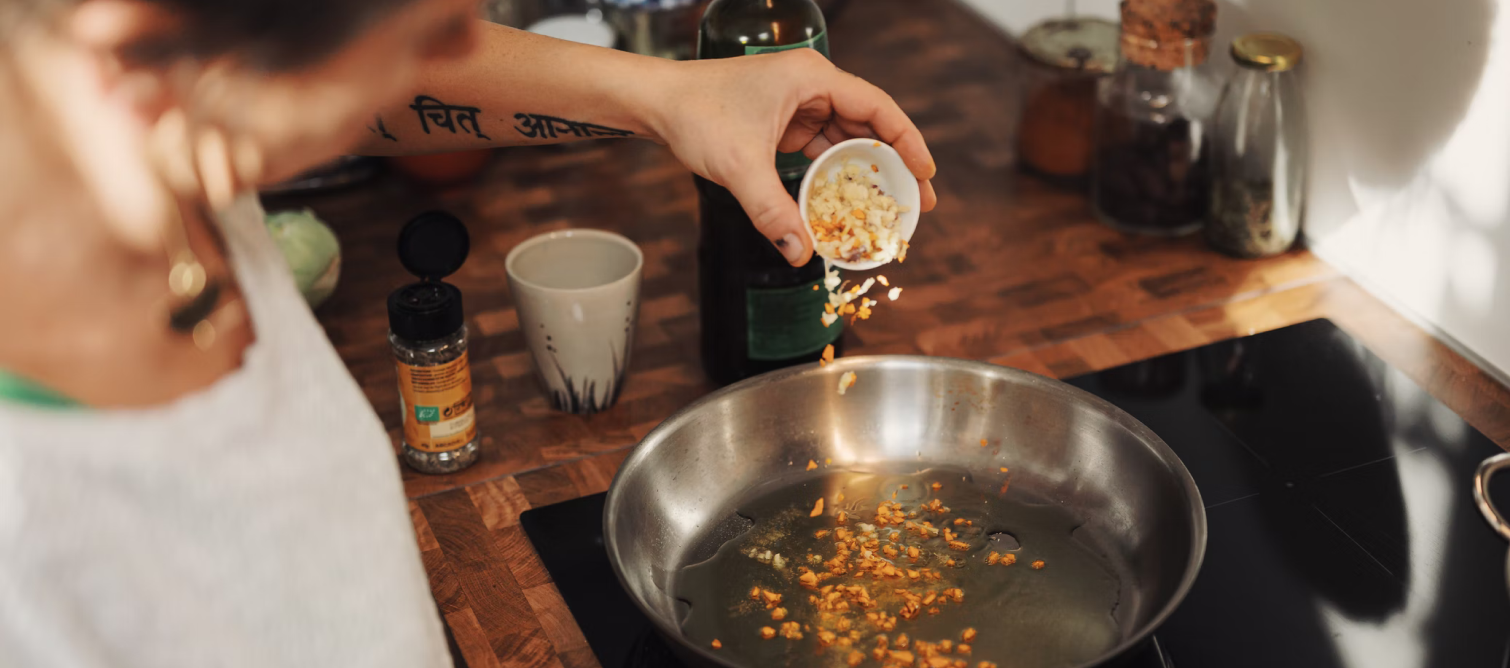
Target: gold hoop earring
x,y
179,160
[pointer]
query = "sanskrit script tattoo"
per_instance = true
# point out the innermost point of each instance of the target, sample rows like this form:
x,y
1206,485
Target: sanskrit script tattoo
x,y
381,130
538,126
446,116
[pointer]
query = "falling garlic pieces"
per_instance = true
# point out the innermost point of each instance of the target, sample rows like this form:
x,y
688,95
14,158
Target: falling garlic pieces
x,y
849,300
846,381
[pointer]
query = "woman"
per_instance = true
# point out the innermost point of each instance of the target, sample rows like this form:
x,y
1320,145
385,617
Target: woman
x,y
188,475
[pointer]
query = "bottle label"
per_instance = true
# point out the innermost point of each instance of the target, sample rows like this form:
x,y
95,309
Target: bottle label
x,y
818,43
437,405
788,322
793,165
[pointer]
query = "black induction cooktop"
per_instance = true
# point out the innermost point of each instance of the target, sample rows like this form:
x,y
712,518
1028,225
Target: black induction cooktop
x,y
1338,496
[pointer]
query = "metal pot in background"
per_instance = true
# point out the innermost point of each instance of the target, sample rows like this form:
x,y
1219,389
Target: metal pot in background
x,y
668,28
660,28
524,13
1486,470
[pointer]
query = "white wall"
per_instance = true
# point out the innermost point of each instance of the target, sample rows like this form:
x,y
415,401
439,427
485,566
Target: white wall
x,y
1409,105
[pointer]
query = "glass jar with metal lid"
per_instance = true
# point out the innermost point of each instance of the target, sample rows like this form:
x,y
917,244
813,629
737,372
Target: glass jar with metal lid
x,y
1063,58
1260,152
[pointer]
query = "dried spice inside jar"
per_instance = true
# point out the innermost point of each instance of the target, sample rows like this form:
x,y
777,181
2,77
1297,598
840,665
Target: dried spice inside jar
x,y
1242,220
440,438
1154,174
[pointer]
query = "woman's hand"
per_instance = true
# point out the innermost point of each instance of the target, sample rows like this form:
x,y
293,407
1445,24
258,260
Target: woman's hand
x,y
726,119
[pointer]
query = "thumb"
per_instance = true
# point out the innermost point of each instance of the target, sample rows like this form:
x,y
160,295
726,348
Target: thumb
x,y
773,211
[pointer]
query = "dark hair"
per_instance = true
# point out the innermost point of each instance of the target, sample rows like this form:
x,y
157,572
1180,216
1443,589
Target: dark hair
x,y
268,34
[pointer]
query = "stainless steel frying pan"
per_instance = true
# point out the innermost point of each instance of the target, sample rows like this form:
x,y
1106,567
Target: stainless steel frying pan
x,y
1140,506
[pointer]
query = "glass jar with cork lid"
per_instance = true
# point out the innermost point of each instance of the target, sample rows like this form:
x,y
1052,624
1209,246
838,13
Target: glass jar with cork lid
x,y
1152,170
1063,59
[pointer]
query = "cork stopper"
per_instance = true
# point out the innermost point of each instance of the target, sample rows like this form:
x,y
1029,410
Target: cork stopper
x,y
1167,34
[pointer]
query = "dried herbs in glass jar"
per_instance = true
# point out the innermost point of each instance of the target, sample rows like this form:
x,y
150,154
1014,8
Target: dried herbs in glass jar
x,y
1259,152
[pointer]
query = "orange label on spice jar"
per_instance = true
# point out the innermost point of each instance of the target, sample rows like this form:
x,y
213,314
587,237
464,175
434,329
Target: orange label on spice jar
x,y
437,405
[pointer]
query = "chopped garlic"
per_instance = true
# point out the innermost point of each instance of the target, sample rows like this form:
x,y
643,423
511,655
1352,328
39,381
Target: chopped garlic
x,y
829,318
882,280
894,293
846,381
852,219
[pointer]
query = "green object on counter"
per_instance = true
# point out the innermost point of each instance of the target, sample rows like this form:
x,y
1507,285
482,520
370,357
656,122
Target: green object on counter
x,y
312,252
17,390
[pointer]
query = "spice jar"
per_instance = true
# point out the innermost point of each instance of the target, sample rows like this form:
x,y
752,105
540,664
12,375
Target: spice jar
x,y
1259,151
429,337
1064,58
1152,169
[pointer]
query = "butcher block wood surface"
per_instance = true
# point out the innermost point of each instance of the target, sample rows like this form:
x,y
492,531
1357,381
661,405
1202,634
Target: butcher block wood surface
x,y
1007,269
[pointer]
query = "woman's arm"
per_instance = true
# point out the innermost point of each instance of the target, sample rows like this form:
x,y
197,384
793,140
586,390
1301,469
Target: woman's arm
x,y
519,88
724,119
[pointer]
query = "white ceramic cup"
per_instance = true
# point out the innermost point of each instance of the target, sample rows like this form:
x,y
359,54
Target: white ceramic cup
x,y
577,293
894,178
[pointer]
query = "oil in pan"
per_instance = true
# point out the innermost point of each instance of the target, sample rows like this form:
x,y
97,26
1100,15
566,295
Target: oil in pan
x,y
893,568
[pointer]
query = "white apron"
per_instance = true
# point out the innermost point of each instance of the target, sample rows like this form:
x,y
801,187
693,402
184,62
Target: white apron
x,y
258,523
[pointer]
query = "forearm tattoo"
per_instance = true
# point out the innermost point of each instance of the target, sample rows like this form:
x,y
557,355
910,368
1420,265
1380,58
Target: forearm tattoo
x,y
540,126
381,130
463,119
450,117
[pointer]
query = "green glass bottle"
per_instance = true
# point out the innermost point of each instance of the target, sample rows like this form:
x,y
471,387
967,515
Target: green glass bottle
x,y
758,312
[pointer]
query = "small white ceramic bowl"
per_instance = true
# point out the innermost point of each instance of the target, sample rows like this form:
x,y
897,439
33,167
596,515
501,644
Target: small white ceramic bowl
x,y
894,178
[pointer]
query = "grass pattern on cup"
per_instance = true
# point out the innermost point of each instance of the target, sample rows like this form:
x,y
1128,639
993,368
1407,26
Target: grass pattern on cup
x,y
585,401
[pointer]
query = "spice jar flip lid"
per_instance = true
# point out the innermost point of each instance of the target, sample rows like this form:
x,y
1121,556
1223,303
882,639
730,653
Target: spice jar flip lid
x,y
1266,51
432,246
1081,44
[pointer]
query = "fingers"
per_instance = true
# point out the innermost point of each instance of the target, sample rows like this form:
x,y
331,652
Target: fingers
x,y
832,134
854,129
837,130
816,147
856,101
929,197
773,211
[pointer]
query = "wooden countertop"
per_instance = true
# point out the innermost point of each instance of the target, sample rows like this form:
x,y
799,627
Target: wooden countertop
x,y
1007,269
